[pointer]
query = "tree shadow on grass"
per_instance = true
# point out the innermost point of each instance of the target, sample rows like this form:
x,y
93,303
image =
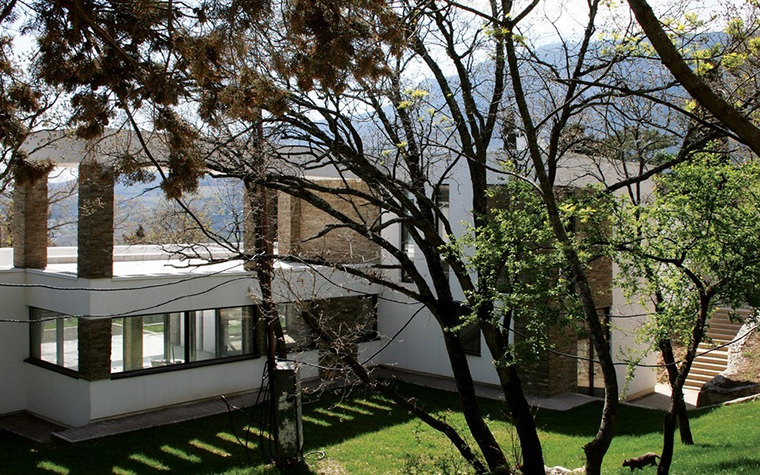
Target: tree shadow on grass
x,y
209,445
205,445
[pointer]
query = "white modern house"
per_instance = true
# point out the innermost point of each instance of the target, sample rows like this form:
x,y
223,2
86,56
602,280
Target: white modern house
x,y
99,331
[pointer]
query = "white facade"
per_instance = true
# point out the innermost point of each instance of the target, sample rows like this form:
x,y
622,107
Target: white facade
x,y
73,401
145,282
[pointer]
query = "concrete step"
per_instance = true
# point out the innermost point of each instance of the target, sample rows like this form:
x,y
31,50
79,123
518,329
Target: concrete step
x,y
715,351
723,325
708,365
713,358
717,347
723,320
718,342
703,372
722,330
728,335
692,385
720,336
711,361
700,377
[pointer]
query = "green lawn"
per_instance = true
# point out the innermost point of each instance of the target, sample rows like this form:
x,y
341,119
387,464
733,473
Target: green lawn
x,y
360,433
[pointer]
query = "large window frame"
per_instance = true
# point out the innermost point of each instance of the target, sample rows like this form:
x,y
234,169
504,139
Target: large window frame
x,y
298,335
183,339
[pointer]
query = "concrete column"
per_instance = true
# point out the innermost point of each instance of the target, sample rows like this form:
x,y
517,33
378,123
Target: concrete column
x,y
94,348
29,227
95,224
288,430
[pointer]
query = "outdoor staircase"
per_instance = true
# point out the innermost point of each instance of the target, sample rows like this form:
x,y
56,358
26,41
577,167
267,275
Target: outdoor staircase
x,y
719,332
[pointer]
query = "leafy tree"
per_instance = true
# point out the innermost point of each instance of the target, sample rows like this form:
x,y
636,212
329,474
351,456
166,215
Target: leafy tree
x,y
694,243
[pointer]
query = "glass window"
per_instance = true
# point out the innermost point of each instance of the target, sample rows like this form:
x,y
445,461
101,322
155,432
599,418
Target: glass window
x,y
174,339
590,379
407,245
470,338
442,202
298,335
55,338
236,331
149,341
203,335
146,341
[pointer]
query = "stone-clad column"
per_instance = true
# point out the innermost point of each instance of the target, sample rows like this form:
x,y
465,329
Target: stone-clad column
x,y
94,348
95,261
251,202
95,224
29,227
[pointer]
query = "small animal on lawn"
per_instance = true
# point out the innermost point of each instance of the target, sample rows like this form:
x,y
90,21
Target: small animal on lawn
x,y
649,458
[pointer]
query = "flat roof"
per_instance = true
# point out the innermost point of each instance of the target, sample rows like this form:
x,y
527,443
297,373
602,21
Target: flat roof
x,y
141,261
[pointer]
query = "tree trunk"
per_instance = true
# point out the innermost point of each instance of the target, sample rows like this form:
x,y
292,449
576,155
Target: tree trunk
x,y
676,391
597,448
684,426
470,407
519,409
668,431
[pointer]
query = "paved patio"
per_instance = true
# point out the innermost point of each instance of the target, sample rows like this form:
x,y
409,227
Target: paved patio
x,y
660,398
29,426
564,402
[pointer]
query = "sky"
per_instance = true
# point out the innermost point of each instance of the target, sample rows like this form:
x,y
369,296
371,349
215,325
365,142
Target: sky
x,y
551,17
567,18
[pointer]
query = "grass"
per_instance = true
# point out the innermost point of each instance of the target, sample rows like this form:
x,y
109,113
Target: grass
x,y
363,433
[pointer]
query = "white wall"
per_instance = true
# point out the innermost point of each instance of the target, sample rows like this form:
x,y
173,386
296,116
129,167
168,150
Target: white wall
x,y
625,344
57,397
420,346
139,393
14,343
77,402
